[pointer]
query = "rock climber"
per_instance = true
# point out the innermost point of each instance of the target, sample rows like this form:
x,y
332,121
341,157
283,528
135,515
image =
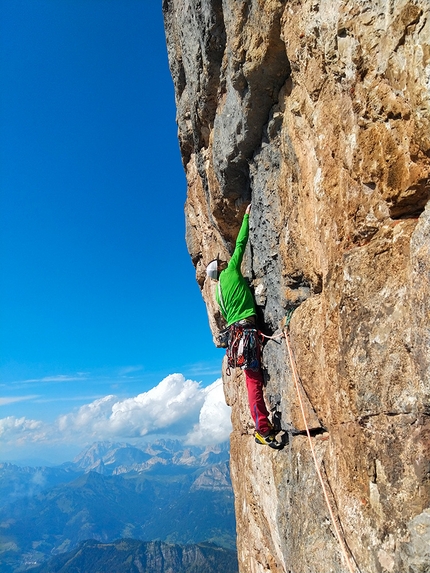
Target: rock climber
x,y
237,306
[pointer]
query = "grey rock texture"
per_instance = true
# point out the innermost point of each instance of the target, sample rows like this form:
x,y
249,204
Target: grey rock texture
x,y
319,113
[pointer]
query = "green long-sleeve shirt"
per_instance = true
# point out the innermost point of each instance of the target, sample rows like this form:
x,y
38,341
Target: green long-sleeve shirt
x,y
236,301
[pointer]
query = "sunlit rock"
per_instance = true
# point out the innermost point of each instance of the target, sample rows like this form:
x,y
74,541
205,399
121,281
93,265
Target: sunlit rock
x,y
318,112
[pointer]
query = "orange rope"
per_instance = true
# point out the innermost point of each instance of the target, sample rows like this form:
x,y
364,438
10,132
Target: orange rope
x,y
296,382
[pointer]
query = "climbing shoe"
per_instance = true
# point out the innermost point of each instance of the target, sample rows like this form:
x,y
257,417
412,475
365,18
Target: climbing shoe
x,y
269,440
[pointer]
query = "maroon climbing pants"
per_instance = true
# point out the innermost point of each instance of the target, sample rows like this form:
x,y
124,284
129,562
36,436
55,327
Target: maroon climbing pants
x,y
259,412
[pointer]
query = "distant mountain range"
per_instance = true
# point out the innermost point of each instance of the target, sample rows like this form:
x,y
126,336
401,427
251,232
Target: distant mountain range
x,y
110,459
161,491
131,556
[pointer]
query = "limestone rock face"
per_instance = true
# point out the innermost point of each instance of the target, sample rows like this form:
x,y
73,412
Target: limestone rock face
x,y
319,113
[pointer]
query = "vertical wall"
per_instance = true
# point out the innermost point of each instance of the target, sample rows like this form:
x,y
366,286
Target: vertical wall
x,y
318,112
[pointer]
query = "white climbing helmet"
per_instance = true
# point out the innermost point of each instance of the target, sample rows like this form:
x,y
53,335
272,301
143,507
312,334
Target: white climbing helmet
x,y
212,269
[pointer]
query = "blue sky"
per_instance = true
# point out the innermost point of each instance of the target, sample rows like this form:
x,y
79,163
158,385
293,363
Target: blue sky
x,y
97,291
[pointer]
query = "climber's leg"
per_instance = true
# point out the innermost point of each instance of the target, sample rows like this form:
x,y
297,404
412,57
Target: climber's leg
x,y
259,412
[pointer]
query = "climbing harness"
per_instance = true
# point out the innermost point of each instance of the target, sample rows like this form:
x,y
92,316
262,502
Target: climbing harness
x,y
296,383
244,349
243,345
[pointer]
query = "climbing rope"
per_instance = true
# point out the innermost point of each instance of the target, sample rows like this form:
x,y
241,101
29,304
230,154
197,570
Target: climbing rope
x,y
296,382
274,337
288,317
284,334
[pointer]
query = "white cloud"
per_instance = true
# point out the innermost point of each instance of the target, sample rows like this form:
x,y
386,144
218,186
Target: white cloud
x,y
175,406
129,370
58,378
12,399
173,401
89,417
20,429
214,420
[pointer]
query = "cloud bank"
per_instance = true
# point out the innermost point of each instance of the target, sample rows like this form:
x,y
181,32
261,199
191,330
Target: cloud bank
x,y
214,425
177,407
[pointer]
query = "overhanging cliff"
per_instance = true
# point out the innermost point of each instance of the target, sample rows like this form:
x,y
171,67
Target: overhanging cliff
x,y
319,112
